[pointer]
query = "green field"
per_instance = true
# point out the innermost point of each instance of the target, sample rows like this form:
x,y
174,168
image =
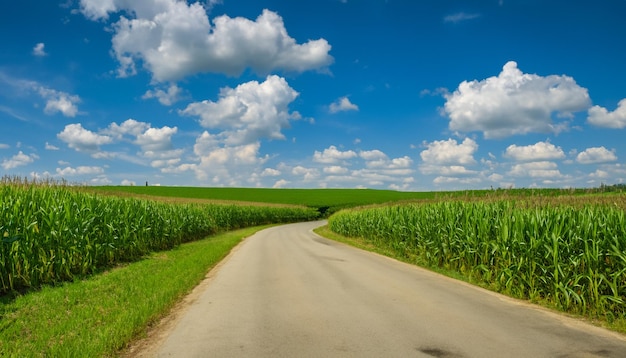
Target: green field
x,y
325,200
328,201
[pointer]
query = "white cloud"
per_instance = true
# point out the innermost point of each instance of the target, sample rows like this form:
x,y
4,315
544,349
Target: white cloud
x,y
51,147
80,170
165,163
269,172
444,152
97,10
18,160
342,104
39,50
375,159
248,112
155,143
514,103
374,168
599,116
332,155
460,16
403,162
541,169
373,155
128,127
335,170
174,39
168,98
536,152
4,146
156,139
58,101
600,174
100,180
221,164
596,155
448,158
307,173
127,182
280,184
82,139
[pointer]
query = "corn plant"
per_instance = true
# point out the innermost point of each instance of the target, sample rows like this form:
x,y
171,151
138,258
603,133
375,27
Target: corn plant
x,y
572,256
53,233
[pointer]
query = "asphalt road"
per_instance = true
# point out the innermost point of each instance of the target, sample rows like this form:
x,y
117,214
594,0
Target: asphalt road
x,y
286,292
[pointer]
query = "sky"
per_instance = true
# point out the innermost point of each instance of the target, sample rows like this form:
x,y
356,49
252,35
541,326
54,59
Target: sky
x,y
386,94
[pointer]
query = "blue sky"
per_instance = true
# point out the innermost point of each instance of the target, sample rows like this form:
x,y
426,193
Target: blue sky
x,y
387,94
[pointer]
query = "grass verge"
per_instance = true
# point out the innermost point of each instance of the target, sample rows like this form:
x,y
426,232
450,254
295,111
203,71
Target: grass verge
x,y
99,316
617,325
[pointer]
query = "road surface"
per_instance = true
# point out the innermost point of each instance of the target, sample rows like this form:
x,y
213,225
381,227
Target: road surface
x,y
286,292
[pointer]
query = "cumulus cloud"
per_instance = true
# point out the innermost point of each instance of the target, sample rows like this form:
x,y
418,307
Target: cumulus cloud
x,y
601,117
281,183
156,139
600,174
448,158
332,155
58,101
4,146
128,127
541,169
81,139
18,160
220,164
335,170
80,170
374,168
536,152
51,147
248,112
166,98
596,155
514,103
376,159
269,172
444,152
39,50
306,173
342,104
373,155
173,39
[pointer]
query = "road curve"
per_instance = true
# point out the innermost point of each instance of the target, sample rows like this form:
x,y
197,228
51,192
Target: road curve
x,y
286,292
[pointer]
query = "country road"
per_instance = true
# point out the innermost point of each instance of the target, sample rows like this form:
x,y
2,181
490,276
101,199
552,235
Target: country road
x,y
286,292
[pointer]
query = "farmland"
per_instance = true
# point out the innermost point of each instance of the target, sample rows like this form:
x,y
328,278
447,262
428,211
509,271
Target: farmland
x,y
324,200
71,254
53,233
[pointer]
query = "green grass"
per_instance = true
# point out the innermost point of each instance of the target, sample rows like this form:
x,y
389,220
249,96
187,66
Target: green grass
x,y
99,316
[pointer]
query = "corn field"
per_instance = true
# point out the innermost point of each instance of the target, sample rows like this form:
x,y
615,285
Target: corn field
x,y
54,233
571,257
